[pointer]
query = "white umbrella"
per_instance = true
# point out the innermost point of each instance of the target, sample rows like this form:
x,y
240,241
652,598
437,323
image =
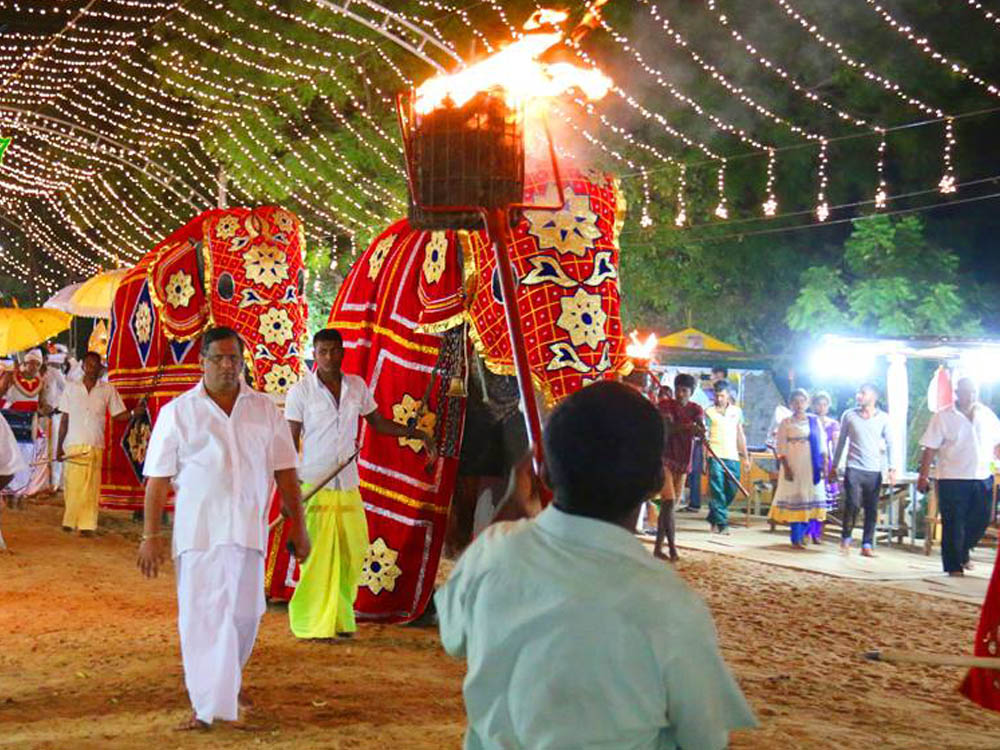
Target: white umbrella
x,y
96,295
61,299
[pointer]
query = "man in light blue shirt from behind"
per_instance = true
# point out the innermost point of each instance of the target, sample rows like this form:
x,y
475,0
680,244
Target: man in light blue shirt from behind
x,y
574,635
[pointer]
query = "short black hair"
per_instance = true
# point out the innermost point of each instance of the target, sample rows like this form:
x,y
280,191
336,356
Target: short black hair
x,y
100,359
721,369
219,333
684,380
721,385
870,387
328,334
603,451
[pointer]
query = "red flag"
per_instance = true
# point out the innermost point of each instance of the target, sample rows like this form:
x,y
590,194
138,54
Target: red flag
x,y
983,685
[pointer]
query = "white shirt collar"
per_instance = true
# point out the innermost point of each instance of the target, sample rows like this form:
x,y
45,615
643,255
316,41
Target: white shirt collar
x,y
590,532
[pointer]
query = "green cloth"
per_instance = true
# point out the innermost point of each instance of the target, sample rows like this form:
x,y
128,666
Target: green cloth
x,y
722,490
323,603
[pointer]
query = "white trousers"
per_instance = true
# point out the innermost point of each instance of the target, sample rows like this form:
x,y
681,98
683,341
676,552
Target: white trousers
x,y
220,600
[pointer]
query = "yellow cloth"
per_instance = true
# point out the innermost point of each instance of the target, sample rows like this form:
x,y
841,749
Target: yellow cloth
x,y
82,475
323,602
723,430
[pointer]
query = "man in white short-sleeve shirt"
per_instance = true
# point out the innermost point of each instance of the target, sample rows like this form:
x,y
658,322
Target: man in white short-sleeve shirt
x,y
84,404
574,636
324,410
964,438
223,446
11,460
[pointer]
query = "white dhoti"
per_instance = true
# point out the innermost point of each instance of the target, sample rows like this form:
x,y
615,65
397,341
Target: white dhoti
x,y
11,461
220,600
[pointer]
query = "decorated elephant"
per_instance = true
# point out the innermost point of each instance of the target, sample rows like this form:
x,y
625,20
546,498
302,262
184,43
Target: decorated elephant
x,y
234,267
422,315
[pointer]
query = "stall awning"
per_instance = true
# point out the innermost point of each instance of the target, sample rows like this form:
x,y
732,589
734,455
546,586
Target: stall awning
x,y
694,340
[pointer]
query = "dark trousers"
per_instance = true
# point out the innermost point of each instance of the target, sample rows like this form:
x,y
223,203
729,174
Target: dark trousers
x,y
965,514
861,491
694,478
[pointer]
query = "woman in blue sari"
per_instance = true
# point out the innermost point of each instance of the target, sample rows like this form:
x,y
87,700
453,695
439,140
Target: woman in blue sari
x,y
802,450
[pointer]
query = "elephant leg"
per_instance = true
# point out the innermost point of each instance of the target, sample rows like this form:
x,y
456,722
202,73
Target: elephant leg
x,y
458,534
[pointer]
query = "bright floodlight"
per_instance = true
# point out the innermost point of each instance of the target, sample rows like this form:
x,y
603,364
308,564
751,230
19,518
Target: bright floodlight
x,y
835,358
982,365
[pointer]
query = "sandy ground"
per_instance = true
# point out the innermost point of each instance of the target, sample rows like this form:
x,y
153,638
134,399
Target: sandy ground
x,y
89,658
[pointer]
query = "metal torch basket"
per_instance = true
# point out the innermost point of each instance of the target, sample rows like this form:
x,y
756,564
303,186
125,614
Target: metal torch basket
x,y
462,162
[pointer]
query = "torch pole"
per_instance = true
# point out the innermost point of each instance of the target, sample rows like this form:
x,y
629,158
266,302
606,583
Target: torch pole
x,y
499,233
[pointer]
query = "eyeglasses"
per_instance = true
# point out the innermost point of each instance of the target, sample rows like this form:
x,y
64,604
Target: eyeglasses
x,y
217,359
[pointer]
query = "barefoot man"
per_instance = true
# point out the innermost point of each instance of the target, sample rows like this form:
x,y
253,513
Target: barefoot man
x,y
684,420
222,445
84,404
323,411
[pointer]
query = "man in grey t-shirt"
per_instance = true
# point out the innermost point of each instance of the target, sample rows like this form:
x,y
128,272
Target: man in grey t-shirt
x,y
866,427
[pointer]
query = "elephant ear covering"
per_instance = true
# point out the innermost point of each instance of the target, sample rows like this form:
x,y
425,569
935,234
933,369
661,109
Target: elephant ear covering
x,y
378,312
235,267
568,295
146,356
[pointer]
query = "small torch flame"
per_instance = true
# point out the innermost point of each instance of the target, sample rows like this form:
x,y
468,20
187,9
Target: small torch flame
x,y
641,350
517,70
545,17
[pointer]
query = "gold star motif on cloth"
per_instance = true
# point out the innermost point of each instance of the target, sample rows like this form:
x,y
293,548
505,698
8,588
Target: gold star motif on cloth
x,y
379,570
377,258
265,265
138,442
284,220
279,379
275,326
583,318
408,412
435,257
143,322
572,229
227,227
180,289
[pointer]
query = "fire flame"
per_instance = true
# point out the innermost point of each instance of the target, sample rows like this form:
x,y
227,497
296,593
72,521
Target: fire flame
x,y
517,70
641,350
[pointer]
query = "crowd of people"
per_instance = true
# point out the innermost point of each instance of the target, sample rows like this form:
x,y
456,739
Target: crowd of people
x,y
569,603
825,466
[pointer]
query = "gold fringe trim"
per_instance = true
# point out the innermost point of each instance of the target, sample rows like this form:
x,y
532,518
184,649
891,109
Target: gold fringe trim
x,y
401,498
442,325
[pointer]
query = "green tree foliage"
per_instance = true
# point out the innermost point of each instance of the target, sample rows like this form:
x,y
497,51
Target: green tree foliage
x,y
888,280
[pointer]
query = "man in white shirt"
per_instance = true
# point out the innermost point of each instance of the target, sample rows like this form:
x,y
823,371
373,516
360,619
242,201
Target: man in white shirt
x,y
964,438
53,385
223,446
323,411
574,636
11,460
81,442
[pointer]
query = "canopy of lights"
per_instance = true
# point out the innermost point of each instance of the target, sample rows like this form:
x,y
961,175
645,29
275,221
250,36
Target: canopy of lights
x,y
122,119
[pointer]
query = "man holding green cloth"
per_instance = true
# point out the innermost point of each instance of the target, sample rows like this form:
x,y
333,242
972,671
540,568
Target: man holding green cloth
x,y
323,411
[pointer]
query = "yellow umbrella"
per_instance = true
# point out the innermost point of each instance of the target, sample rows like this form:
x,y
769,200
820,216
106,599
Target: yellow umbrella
x,y
96,295
24,328
692,338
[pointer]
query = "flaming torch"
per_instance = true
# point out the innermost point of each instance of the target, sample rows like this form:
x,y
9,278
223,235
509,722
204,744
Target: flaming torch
x,y
464,136
640,352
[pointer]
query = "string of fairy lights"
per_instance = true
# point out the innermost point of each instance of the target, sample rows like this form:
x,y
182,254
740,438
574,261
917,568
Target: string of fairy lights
x,y
129,116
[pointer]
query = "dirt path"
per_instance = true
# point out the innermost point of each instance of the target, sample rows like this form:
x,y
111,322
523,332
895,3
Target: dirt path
x,y
89,659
